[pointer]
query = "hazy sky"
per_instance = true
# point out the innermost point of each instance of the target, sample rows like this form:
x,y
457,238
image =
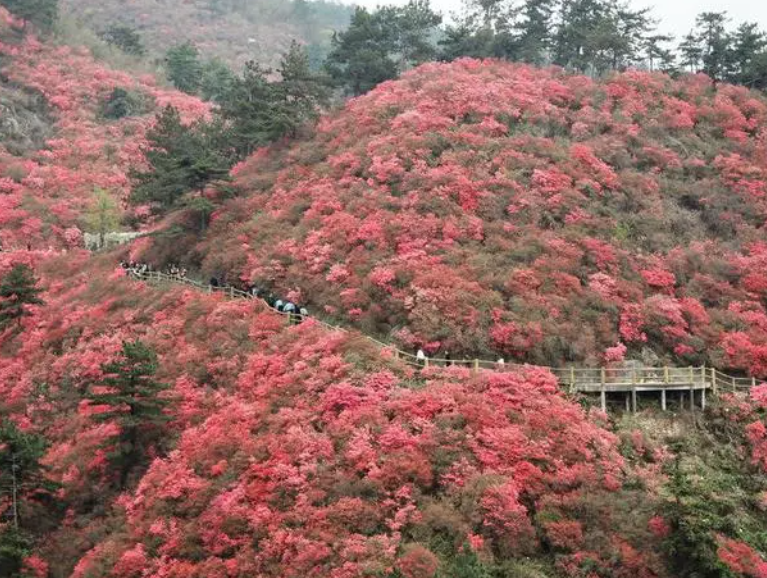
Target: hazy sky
x,y
676,16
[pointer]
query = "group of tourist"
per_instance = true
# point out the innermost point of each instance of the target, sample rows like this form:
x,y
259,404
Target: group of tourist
x,y
142,268
136,268
176,271
296,312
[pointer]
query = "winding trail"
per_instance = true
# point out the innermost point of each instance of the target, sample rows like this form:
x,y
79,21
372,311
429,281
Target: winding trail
x,y
603,380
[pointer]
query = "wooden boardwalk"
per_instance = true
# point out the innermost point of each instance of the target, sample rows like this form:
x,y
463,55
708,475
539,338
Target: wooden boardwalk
x,y
630,381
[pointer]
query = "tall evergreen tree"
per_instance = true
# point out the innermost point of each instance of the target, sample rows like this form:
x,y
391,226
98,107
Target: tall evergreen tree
x,y
536,31
360,57
378,46
18,290
691,52
20,477
216,80
301,92
251,113
658,56
131,395
714,42
184,67
415,24
181,158
747,48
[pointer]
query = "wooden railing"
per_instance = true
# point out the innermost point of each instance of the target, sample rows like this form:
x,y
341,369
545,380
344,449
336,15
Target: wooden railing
x,y
576,379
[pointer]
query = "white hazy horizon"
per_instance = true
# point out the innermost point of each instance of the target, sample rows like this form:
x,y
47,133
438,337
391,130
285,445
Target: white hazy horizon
x,y
675,17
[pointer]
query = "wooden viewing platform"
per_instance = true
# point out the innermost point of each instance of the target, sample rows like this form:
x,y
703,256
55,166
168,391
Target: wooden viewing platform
x,y
695,381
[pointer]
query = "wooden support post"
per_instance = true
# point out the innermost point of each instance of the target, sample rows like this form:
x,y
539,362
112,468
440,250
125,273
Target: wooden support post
x,y
713,380
634,399
692,397
426,362
603,377
572,378
665,374
703,398
476,365
692,376
753,381
663,399
628,402
603,396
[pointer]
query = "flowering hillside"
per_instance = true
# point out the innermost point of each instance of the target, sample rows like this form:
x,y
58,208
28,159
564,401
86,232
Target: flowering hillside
x,y
497,209
304,452
44,193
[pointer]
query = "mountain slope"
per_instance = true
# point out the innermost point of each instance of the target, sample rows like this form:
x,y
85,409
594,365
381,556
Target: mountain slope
x,y
495,209
70,147
234,31
294,451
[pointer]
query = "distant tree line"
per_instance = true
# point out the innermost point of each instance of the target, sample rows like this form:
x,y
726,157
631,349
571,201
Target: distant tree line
x,y
587,36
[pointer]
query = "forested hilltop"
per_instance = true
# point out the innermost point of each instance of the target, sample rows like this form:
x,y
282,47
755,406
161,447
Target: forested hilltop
x,y
463,205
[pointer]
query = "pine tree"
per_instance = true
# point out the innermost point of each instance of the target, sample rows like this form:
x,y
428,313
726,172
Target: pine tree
x,y
251,112
18,290
414,23
536,30
300,92
378,46
714,43
184,67
182,158
20,476
216,80
360,57
691,52
132,398
125,38
748,44
20,468
658,56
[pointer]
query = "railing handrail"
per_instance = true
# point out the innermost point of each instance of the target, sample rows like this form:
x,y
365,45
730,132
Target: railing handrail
x,y
568,375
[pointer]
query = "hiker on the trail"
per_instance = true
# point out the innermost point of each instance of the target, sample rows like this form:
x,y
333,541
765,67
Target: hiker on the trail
x,y
290,309
303,312
214,282
420,357
278,304
448,359
500,363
